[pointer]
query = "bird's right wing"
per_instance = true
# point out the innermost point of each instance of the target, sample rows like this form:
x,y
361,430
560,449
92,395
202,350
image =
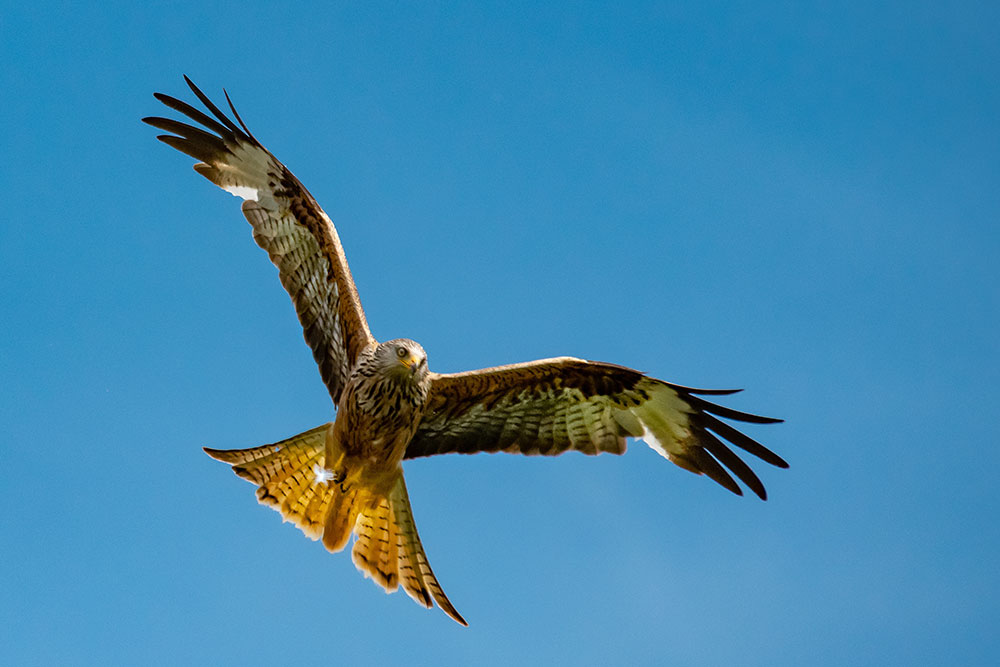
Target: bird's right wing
x,y
287,222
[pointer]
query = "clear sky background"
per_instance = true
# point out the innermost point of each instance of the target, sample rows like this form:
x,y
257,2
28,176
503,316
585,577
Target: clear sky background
x,y
800,199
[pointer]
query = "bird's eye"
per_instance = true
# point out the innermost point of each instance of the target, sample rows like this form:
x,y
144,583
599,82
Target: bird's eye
x,y
401,352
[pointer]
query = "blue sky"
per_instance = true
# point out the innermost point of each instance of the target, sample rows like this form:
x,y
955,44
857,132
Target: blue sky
x,y
800,200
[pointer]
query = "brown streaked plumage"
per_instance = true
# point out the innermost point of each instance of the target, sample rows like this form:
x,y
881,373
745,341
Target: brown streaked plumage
x,y
345,477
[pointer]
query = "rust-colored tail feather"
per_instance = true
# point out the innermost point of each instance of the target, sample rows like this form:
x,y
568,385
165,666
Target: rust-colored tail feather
x,y
291,478
342,516
388,550
376,549
283,473
416,575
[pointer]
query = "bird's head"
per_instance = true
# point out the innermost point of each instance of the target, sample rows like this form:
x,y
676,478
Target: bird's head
x,y
403,358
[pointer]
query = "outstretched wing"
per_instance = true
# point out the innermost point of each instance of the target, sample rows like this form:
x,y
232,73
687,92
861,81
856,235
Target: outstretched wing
x,y
553,405
287,222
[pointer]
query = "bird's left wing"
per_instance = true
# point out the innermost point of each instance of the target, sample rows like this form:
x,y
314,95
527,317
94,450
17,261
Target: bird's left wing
x,y
553,405
287,222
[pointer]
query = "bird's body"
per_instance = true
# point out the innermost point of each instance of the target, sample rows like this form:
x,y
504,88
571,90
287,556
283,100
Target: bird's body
x,y
346,477
379,410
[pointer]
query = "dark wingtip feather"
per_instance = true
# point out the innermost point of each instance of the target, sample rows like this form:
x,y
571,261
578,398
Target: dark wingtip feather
x,y
740,439
238,119
728,458
712,392
728,413
206,140
696,390
223,118
195,150
721,477
193,114
699,461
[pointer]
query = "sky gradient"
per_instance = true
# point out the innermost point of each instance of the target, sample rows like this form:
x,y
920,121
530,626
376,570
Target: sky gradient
x,y
795,198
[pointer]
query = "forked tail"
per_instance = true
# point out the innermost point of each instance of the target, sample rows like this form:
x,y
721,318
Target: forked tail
x,y
291,478
388,550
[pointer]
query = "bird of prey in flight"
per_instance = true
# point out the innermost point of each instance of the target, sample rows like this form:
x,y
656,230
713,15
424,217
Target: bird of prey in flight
x,y
346,477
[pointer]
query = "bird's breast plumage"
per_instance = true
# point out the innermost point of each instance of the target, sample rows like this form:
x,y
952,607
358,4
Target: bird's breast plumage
x,y
379,413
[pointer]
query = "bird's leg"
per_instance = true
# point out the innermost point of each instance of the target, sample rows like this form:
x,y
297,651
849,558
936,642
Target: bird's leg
x,y
339,478
333,459
347,476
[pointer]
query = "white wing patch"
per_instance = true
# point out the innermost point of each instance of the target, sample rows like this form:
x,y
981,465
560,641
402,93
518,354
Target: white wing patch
x,y
650,439
242,191
243,173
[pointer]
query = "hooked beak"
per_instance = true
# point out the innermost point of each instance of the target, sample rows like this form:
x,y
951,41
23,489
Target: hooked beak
x,y
413,363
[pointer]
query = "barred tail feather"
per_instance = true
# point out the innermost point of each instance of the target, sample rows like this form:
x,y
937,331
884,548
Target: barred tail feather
x,y
342,515
376,548
285,474
416,575
388,550
292,478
